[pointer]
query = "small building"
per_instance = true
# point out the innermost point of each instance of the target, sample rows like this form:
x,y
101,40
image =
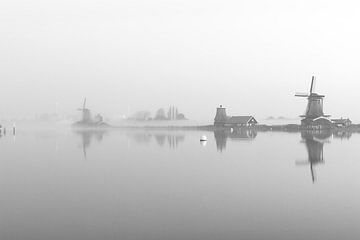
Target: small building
x,y
241,121
319,123
222,120
342,122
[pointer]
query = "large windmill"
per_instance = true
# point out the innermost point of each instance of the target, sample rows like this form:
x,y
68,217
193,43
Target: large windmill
x,y
86,115
314,109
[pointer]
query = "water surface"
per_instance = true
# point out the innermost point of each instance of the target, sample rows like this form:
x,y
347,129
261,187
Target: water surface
x,y
137,184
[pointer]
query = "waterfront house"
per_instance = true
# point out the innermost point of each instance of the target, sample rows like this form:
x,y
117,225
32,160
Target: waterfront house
x,y
241,121
341,122
222,120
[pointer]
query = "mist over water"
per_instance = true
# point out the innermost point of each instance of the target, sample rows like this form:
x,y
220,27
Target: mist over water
x,y
95,98
128,56
141,184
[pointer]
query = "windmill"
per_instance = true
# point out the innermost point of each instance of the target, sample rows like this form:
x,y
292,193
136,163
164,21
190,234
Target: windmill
x,y
314,107
86,115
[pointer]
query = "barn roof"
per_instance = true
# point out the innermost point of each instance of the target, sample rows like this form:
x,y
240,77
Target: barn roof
x,y
239,119
341,120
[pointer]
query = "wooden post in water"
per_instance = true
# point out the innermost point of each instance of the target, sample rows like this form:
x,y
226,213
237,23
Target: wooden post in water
x,y
14,129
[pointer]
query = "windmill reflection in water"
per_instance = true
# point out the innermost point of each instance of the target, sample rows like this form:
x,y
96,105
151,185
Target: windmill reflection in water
x,y
314,142
87,135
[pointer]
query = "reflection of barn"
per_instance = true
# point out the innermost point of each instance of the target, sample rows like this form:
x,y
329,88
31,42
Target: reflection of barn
x,y
222,135
342,134
222,120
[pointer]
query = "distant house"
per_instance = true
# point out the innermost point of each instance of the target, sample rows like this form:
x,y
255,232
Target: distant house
x,y
341,122
318,123
222,120
241,121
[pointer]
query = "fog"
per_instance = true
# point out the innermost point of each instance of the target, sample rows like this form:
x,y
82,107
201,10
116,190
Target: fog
x,y
126,56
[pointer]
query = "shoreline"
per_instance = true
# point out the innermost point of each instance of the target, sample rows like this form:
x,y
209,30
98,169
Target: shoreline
x,y
258,128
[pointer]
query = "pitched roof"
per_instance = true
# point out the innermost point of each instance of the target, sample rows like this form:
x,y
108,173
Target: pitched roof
x,y
239,119
341,120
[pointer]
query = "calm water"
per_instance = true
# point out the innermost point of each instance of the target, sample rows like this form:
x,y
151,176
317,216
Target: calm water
x,y
166,185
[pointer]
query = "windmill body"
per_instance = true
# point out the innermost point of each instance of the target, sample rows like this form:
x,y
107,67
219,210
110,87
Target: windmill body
x,y
314,114
86,113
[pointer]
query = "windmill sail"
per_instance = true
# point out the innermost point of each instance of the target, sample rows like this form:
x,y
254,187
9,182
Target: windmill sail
x,y
312,86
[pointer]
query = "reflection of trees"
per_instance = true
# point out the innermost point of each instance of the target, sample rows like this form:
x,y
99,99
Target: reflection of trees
x,y
88,135
140,138
160,139
221,136
171,138
174,140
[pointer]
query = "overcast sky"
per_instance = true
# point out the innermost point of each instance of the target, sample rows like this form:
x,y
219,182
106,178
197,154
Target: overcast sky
x,y
250,56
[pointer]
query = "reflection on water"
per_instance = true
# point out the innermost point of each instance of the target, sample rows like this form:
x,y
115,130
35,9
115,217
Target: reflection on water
x,y
170,139
222,135
342,135
148,191
314,141
314,144
87,137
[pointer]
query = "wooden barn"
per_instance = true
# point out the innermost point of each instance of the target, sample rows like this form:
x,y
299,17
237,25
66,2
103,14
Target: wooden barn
x,y
222,120
241,121
341,122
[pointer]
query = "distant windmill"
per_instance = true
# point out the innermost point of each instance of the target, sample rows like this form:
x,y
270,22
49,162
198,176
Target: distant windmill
x,y
86,115
314,107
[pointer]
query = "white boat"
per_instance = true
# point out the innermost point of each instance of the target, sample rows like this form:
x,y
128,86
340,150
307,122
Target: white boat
x,y
203,138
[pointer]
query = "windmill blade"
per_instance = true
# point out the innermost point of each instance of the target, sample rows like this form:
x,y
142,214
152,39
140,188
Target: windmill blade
x,y
312,87
313,174
301,95
84,150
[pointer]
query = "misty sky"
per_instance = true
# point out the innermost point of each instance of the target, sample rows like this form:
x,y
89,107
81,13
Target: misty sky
x,y
250,56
